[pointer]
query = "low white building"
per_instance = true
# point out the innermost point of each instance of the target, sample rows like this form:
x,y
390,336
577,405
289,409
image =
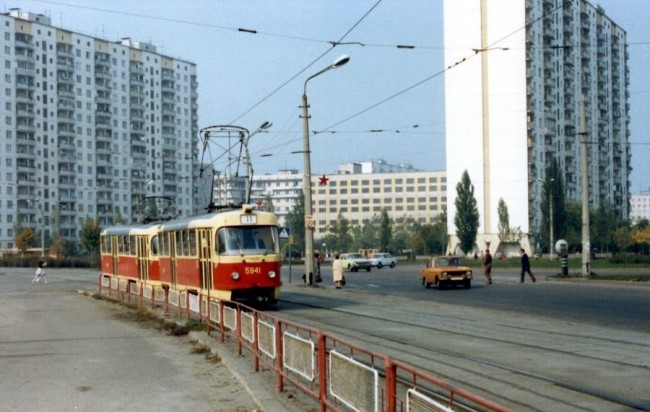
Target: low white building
x,y
359,191
640,207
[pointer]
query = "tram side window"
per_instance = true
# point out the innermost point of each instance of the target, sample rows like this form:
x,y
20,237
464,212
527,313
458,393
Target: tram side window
x,y
154,245
186,242
164,244
106,245
132,246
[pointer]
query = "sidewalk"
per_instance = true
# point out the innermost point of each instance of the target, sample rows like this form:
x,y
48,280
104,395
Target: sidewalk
x,y
62,350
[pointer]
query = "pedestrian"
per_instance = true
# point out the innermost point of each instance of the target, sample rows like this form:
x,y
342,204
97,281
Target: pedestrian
x,y
337,271
40,271
487,266
318,260
525,266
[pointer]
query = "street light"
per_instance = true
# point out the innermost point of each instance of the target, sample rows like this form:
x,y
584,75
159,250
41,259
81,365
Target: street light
x,y
309,218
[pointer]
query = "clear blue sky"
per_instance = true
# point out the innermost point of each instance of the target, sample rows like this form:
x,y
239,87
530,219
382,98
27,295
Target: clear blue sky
x,y
245,79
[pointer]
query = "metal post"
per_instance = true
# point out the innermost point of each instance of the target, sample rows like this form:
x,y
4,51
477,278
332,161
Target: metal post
x,y
586,244
550,217
309,218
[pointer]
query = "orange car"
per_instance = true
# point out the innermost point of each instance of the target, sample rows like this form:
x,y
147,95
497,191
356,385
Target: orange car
x,y
444,271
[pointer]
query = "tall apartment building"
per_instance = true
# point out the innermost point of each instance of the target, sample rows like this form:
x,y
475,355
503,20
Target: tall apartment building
x,y
518,71
359,191
89,128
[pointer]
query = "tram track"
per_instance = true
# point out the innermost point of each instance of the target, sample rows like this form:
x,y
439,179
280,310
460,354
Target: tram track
x,y
491,377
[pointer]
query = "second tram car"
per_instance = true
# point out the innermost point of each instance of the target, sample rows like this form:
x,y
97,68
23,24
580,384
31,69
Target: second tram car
x,y
232,254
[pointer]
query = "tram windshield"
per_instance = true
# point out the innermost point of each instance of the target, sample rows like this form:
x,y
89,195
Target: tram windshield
x,y
257,240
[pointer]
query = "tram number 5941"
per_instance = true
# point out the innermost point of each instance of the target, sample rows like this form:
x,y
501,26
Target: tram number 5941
x,y
253,270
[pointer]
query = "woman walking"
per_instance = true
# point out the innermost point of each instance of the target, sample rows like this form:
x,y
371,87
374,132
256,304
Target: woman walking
x,y
40,270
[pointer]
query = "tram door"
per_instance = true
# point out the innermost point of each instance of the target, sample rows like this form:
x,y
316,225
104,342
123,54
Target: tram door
x,y
205,258
143,257
172,256
114,253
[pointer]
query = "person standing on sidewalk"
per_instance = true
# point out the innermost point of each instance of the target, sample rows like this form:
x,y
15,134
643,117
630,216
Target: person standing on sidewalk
x,y
337,271
40,270
525,266
487,266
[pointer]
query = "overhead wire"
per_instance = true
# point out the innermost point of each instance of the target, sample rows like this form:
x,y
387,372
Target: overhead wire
x,y
309,65
463,60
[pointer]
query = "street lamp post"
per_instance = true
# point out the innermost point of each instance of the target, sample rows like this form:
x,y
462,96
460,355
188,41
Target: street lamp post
x,y
309,218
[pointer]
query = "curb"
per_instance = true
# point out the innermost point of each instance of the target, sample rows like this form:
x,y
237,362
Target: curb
x,y
241,370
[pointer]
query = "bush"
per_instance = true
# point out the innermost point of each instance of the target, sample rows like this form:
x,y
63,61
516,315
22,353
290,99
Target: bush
x,y
31,260
623,258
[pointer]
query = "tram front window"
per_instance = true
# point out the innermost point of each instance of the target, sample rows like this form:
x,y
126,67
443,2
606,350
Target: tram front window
x,y
258,240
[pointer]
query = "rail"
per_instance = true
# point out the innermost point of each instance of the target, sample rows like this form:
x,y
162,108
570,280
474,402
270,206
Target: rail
x,y
338,374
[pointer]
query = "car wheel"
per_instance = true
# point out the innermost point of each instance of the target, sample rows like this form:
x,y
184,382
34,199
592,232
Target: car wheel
x,y
368,269
425,283
442,284
355,270
379,265
467,284
392,265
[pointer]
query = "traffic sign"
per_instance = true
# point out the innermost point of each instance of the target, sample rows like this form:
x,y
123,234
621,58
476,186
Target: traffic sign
x,y
284,233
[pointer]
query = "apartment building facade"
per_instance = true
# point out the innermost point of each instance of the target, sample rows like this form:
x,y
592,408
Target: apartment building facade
x,y
90,128
521,75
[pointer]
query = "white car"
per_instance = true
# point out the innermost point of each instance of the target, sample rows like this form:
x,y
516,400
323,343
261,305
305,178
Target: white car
x,y
354,262
380,260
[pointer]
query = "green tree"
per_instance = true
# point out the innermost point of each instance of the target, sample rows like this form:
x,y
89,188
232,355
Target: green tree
x,y
342,233
268,206
57,247
554,196
504,221
573,226
467,217
24,240
89,234
296,222
385,231
623,238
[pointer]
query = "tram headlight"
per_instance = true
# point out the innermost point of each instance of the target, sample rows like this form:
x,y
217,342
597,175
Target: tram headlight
x,y
272,274
234,275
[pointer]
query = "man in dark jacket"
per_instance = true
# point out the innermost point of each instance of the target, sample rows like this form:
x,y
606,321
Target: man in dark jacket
x,y
487,266
525,266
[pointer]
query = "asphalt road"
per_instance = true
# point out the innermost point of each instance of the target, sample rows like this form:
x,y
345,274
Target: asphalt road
x,y
620,305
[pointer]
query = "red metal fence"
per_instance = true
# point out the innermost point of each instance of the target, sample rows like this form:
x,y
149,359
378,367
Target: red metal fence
x,y
339,375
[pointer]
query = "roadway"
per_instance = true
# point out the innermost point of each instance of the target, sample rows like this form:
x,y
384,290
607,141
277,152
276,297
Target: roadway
x,y
569,345
551,345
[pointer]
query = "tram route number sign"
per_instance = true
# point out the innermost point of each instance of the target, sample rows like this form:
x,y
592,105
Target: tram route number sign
x,y
284,232
309,221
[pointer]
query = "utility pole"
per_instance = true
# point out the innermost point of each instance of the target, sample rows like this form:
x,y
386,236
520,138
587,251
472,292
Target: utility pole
x,y
586,244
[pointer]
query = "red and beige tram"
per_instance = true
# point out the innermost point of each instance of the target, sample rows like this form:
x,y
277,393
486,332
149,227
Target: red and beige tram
x,y
231,254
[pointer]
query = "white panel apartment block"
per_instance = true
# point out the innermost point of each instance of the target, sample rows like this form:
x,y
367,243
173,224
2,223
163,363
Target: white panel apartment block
x,y
517,71
91,127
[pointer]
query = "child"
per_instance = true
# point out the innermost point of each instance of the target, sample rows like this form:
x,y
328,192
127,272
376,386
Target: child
x,y
40,271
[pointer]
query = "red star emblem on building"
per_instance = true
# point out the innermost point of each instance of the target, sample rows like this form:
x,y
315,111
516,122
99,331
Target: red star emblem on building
x,y
323,180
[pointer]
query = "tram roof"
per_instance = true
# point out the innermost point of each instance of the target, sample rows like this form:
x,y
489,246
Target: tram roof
x,y
143,229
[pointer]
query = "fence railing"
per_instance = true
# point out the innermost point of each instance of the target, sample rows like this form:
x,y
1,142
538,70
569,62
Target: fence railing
x,y
338,374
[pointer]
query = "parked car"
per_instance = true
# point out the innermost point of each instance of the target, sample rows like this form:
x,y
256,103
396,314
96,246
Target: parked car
x,y
444,271
355,262
379,260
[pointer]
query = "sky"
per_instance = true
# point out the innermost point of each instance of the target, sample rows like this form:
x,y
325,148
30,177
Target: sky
x,y
386,103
